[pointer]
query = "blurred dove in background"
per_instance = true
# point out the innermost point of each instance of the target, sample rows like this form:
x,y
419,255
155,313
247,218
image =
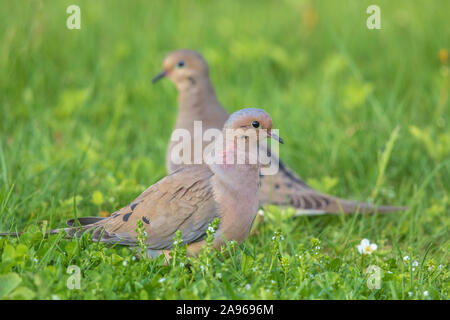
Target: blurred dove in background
x,y
197,101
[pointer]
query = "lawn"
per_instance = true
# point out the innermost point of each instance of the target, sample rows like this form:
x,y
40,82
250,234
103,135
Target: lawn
x,y
364,115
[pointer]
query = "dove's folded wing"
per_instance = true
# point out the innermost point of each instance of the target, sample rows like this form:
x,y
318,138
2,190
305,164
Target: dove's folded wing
x,y
181,201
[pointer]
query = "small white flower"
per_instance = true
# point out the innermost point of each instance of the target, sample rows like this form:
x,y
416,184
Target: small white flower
x,y
219,275
273,238
211,229
282,238
261,212
415,263
365,247
273,281
35,260
55,297
247,286
413,269
425,293
410,293
318,248
181,264
124,263
440,266
254,269
390,272
162,280
133,258
405,258
202,268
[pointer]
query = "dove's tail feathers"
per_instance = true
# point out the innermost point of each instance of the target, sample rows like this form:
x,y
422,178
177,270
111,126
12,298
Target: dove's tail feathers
x,y
336,206
79,226
83,221
286,189
11,234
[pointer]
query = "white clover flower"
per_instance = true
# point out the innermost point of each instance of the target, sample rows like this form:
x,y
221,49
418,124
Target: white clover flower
x,y
415,263
425,293
162,280
405,258
365,247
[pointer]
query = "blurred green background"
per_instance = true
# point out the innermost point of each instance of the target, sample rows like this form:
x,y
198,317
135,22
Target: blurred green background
x,y
80,118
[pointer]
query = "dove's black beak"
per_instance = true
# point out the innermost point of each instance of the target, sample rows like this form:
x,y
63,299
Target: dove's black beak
x,y
159,76
275,137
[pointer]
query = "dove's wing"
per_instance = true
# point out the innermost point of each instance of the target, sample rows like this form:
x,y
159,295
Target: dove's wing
x,y
181,201
285,188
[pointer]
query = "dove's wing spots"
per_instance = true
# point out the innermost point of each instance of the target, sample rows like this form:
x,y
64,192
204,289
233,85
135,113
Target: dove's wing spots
x,y
181,201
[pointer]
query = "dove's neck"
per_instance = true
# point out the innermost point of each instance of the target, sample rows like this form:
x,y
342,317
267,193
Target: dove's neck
x,y
236,193
198,101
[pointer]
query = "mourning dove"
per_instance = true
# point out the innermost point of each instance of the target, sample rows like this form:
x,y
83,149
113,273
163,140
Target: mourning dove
x,y
189,199
197,101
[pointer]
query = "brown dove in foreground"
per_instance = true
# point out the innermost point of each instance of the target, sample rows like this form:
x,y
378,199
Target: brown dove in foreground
x,y
197,101
190,198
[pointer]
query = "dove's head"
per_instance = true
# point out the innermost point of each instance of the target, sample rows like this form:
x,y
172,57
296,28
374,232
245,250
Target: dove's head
x,y
244,140
185,68
251,122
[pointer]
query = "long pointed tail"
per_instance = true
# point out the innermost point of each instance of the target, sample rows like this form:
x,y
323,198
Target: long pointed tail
x,y
336,206
76,228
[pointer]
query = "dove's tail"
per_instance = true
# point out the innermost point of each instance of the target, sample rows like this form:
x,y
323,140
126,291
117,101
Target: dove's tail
x,y
336,206
286,189
76,228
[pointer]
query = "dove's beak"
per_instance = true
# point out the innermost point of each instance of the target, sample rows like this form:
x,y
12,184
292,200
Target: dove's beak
x,y
274,136
159,76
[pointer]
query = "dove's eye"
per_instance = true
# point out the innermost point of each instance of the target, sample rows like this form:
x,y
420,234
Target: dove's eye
x,y
255,124
180,64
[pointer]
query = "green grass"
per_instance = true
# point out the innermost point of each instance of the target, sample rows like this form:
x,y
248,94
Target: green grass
x,y
364,114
